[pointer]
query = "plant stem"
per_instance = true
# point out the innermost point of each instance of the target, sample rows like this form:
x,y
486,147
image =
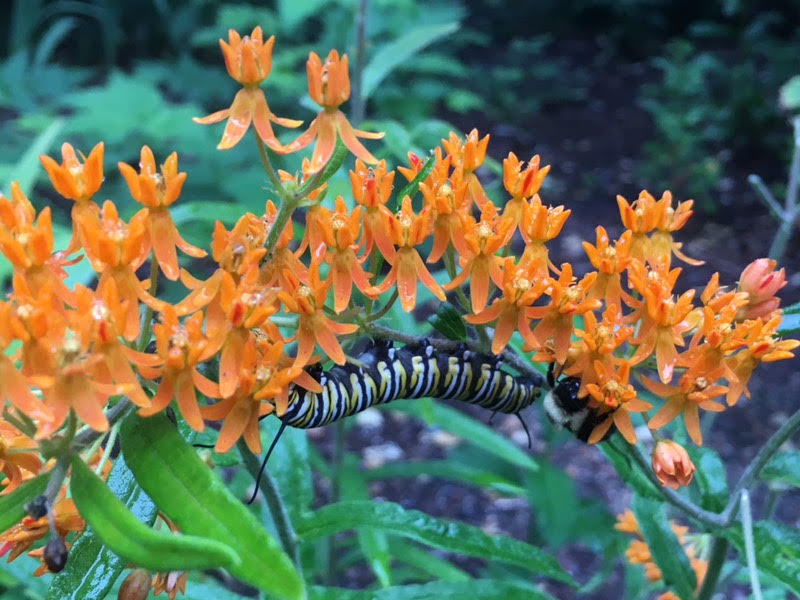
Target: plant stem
x,y
791,209
273,176
275,503
749,549
357,81
385,308
57,476
144,336
716,559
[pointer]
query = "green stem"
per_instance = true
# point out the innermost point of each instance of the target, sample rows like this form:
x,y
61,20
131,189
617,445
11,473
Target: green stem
x,y
375,263
277,509
386,307
112,438
273,176
57,476
357,80
716,559
144,337
749,547
790,210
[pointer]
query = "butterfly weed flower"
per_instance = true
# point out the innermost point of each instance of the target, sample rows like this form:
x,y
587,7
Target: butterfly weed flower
x,y
672,465
446,195
615,397
669,220
17,454
610,261
538,225
521,180
157,191
371,187
329,86
467,155
760,281
407,231
79,181
248,60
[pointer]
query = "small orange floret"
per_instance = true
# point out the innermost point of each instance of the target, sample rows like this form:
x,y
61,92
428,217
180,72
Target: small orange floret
x,y
672,465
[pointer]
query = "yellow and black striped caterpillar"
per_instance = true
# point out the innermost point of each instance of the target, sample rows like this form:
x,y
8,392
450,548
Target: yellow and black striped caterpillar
x,y
384,373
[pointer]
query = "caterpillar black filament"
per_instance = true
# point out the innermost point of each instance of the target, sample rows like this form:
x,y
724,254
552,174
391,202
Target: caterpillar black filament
x,y
384,373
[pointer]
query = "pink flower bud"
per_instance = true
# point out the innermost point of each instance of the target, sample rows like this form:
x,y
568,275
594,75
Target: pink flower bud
x,y
672,464
761,281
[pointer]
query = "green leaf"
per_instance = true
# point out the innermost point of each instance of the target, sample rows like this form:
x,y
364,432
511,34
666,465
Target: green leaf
x,y
436,567
134,541
784,467
478,589
12,506
449,322
710,477
335,162
471,431
790,94
196,499
393,54
27,168
410,189
374,543
628,471
664,546
448,469
790,323
92,567
446,535
777,550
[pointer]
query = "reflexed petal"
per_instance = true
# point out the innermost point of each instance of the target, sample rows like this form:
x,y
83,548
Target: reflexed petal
x,y
666,414
691,418
233,427
216,117
187,402
241,114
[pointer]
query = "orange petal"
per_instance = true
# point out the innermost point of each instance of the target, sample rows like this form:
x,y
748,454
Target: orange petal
x,y
215,117
239,120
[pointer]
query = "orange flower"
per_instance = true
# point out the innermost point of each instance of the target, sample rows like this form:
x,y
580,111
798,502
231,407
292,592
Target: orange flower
x,y
97,321
672,465
415,167
479,263
339,232
640,217
468,155
14,386
446,195
79,182
521,288
371,189
172,583
260,377
17,453
522,182
760,281
157,191
116,250
329,86
307,301
28,246
180,349
248,61
610,262
540,224
616,397
408,230
28,531
567,299
669,220
693,392
663,319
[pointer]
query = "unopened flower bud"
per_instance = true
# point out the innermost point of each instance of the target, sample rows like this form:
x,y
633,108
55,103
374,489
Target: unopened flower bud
x,y
37,508
761,282
55,554
136,586
672,465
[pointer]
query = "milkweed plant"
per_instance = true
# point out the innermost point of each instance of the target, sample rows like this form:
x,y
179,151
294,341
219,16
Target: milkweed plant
x,y
107,388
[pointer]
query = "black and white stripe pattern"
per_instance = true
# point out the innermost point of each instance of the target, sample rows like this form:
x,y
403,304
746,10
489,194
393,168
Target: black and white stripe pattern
x,y
386,373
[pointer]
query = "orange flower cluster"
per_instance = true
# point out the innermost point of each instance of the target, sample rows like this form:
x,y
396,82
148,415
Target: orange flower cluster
x,y
638,553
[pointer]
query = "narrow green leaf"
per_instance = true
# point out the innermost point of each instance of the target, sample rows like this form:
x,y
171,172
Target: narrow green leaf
x,y
471,431
92,567
449,322
664,546
196,499
448,469
374,543
340,152
134,541
790,324
410,189
27,168
446,535
436,567
784,467
478,589
397,52
12,506
777,550
710,477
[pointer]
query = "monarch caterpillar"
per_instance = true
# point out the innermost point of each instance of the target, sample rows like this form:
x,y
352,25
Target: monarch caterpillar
x,y
383,373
